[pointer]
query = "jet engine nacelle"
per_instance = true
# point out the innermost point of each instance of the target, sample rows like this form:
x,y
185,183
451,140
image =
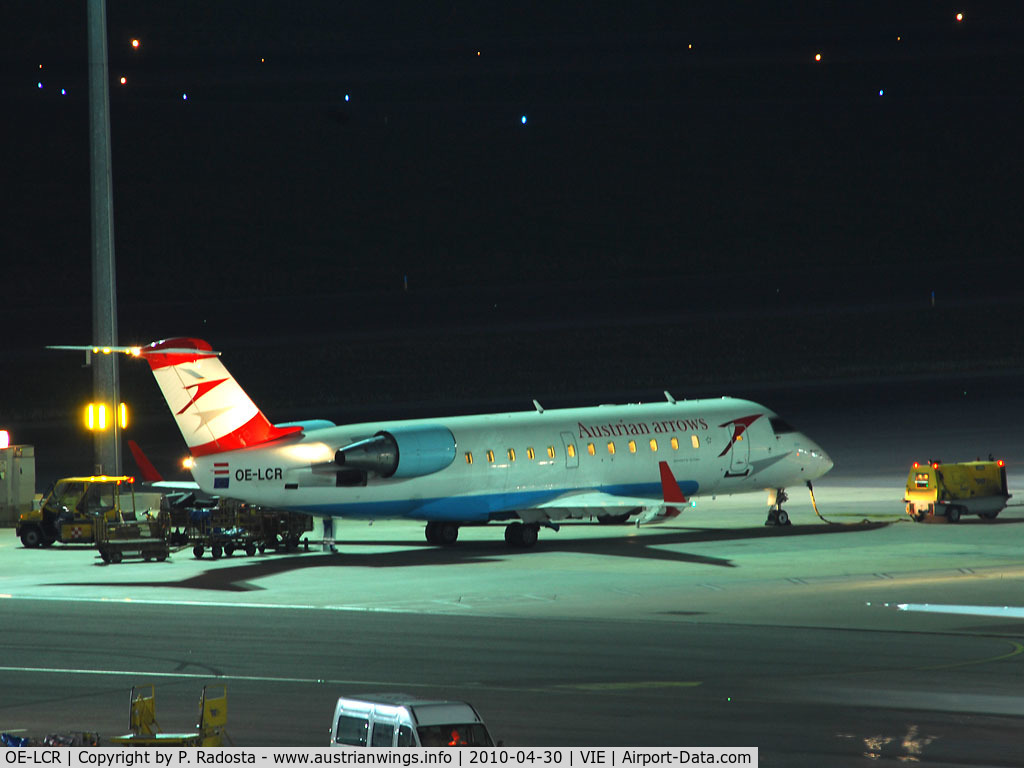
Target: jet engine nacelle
x,y
401,452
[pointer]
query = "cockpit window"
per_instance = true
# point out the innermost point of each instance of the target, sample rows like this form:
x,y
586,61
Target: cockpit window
x,y
780,427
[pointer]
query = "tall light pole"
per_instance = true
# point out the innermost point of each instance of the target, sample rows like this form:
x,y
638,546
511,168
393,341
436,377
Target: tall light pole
x,y
106,386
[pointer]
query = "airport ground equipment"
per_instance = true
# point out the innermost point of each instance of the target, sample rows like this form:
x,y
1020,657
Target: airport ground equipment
x,y
71,739
144,538
211,730
233,526
404,720
17,481
69,511
935,489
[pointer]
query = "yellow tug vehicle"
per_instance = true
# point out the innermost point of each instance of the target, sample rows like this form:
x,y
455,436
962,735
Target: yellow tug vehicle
x,y
935,490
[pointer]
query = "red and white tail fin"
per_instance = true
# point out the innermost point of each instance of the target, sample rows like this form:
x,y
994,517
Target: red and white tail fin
x,y
212,411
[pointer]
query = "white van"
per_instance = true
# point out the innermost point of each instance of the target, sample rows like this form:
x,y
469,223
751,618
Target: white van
x,y
401,720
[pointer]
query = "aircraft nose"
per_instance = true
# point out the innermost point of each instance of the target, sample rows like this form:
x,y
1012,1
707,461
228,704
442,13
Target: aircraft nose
x,y
814,462
821,462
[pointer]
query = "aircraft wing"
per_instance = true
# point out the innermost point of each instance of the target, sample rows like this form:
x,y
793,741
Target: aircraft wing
x,y
598,504
596,500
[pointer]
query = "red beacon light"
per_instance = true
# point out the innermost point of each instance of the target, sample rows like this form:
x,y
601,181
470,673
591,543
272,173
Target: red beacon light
x,y
917,465
1001,463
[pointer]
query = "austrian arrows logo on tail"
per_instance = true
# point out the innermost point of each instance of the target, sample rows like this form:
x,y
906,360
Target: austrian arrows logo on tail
x,y
200,389
739,427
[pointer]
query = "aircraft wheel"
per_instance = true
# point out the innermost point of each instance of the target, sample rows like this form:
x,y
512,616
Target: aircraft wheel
x,y
953,514
31,537
216,551
198,550
528,537
782,517
250,549
447,534
115,557
229,550
513,534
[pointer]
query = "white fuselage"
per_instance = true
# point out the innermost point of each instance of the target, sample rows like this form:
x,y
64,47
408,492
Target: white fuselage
x,y
527,460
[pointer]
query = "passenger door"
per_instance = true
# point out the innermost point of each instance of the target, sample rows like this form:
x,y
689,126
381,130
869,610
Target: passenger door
x,y
572,457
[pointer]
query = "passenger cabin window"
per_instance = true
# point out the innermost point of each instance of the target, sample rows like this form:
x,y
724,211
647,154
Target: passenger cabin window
x,y
654,445
511,454
632,446
571,450
611,447
695,441
490,456
591,449
469,457
551,451
351,730
674,442
383,735
530,453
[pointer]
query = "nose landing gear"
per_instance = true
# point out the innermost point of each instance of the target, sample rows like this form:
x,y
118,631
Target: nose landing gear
x,y
776,514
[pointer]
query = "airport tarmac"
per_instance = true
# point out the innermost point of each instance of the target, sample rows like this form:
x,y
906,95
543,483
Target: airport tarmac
x,y
714,630
710,630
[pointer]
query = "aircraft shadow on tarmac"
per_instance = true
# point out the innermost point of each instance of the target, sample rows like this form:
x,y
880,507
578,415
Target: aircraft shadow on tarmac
x,y
237,578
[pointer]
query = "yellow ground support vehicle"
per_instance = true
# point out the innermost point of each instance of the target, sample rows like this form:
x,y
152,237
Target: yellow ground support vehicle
x,y
72,507
951,490
146,731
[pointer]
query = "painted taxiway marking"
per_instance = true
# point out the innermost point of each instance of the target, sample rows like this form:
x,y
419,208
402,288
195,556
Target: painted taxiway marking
x,y
196,676
212,604
1018,649
998,611
632,686
149,674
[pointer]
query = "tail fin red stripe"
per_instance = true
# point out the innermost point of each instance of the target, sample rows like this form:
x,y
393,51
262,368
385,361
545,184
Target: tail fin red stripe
x,y
158,359
255,431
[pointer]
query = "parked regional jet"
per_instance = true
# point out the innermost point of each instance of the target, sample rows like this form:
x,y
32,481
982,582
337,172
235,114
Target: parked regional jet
x,y
525,469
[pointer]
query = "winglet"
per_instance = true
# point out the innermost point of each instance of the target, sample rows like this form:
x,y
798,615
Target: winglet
x,y
670,490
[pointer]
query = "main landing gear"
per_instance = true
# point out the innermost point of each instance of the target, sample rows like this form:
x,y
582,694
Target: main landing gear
x,y
523,535
776,514
442,533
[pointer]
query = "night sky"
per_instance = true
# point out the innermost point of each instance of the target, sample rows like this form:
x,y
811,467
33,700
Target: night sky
x,y
333,170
